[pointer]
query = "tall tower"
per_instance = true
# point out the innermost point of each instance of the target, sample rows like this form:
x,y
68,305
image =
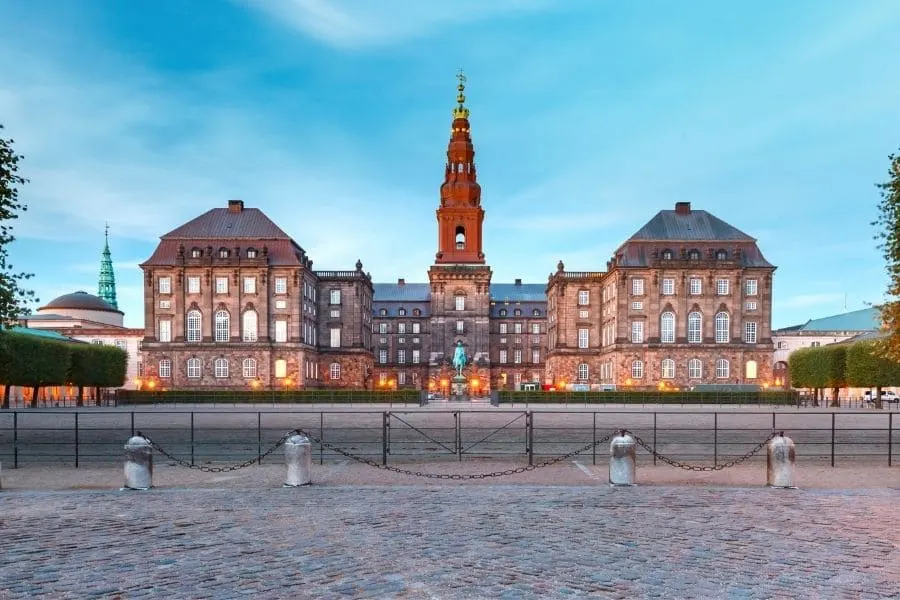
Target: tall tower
x,y
106,288
460,279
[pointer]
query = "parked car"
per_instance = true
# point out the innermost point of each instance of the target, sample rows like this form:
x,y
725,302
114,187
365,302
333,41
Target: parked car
x,y
886,396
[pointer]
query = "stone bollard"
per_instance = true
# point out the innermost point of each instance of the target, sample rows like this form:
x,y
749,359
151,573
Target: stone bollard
x,y
138,464
780,462
622,459
298,456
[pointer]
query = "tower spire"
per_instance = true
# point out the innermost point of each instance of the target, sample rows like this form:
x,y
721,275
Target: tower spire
x,y
106,287
461,112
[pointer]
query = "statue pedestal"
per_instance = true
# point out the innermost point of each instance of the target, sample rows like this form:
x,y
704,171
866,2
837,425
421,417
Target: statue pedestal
x,y
459,389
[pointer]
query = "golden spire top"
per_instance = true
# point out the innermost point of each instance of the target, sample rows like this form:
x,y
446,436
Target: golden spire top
x,y
461,112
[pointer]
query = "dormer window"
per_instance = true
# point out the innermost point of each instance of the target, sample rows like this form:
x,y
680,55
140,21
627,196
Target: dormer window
x,y
502,312
536,313
694,254
223,252
517,312
668,255
401,312
417,312
721,254
382,312
196,252
251,253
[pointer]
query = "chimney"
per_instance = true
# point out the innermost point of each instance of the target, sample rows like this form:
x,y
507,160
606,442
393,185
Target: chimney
x,y
682,208
518,282
401,281
235,206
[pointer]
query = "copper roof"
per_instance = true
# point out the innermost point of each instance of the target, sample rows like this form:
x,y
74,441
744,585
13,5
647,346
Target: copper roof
x,y
80,301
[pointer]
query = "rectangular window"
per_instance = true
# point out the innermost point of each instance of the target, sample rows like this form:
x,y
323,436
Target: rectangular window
x,y
334,297
637,332
460,302
165,285
382,356
382,328
504,329
535,328
750,287
193,286
415,357
401,327
401,340
249,285
281,285
165,303
401,378
401,356
721,287
335,337
751,305
165,330
460,327
637,286
503,357
517,357
281,330
535,356
281,304
696,286
584,314
584,297
221,285
335,313
280,368
165,368
583,338
193,368
750,332
668,287
517,328
638,305
416,327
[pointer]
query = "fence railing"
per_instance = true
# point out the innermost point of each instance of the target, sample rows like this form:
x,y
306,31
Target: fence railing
x,y
96,436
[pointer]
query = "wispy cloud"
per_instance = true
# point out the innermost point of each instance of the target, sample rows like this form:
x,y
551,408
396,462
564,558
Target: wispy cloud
x,y
361,23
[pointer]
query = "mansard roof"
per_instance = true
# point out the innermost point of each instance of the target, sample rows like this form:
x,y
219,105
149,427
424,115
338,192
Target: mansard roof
x,y
421,292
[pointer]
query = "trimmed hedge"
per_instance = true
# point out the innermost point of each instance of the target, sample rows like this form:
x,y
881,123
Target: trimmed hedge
x,y
649,397
33,362
97,366
268,397
866,369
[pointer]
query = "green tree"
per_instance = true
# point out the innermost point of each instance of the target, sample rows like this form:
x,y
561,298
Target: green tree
x,y
803,370
866,367
888,221
13,299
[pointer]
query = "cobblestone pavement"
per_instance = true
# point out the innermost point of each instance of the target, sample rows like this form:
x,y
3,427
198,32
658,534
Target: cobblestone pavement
x,y
448,541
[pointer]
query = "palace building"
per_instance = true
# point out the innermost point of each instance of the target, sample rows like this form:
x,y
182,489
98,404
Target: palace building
x,y
233,302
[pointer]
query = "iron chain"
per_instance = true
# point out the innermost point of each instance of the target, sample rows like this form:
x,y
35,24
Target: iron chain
x,y
224,469
690,467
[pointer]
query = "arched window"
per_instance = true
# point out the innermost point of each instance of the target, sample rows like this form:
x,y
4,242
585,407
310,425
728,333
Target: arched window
x,y
721,254
221,367
695,368
582,372
694,254
668,368
637,369
335,370
193,326
695,328
459,302
222,326
667,328
249,326
460,237
667,254
249,368
193,368
722,368
723,334
750,369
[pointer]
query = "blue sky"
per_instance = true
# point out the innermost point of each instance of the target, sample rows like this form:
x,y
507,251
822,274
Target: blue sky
x,y
333,117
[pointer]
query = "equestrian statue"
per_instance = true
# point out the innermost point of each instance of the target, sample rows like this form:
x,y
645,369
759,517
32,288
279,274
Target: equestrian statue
x,y
459,358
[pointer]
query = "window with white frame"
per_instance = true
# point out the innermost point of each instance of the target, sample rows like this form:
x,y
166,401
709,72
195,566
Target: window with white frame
x,y
584,314
668,286
584,297
668,368
249,368
504,328
750,332
696,286
401,356
535,356
193,285
383,355
401,327
637,305
249,326
281,285
750,305
382,328
416,328
695,328
334,371
583,338
750,369
721,287
503,357
334,297
637,286
335,341
582,371
667,328
165,304
249,285
221,285
637,369
517,328
165,368
281,330
637,332
459,302
723,332
221,367
223,323
722,368
460,327
517,356
401,378
535,328
192,328
401,312
695,368
165,330
750,287
165,285
193,368
415,357
335,313
280,368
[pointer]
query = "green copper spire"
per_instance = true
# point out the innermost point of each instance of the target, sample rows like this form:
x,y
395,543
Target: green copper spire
x,y
107,286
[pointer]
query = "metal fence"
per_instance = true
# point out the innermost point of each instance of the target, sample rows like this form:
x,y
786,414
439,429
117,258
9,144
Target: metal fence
x,y
96,436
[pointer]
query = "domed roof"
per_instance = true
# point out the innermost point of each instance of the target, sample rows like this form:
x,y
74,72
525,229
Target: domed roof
x,y
80,301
